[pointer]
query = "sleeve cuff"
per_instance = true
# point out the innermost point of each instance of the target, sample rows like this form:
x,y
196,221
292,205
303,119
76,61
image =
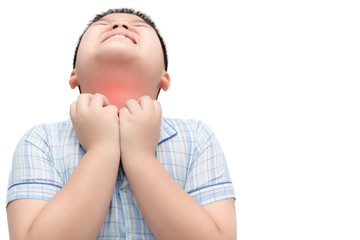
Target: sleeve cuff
x,y
213,193
32,190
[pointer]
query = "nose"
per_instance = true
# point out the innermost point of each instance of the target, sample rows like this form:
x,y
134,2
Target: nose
x,y
123,25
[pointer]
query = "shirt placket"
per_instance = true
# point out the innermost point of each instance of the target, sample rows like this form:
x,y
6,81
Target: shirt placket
x,y
126,204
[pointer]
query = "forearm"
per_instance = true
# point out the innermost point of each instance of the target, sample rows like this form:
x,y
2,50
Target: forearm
x,y
169,211
79,209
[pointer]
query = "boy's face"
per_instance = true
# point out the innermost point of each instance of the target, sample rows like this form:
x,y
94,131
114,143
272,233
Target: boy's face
x,y
120,56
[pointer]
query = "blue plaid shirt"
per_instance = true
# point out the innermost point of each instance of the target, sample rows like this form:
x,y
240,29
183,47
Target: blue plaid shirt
x,y
48,154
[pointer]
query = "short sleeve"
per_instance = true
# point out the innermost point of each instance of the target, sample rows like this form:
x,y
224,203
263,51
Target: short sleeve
x,y
208,179
33,174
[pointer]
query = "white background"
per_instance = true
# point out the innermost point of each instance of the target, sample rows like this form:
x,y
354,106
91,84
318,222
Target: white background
x,y
277,81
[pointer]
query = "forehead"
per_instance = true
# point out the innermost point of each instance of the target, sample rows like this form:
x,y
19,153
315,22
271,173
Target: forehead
x,y
122,17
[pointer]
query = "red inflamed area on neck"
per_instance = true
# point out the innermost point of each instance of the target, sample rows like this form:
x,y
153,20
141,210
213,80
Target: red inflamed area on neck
x,y
118,94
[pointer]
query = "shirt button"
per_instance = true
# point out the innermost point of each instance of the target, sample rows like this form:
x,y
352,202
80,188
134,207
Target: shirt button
x,y
126,189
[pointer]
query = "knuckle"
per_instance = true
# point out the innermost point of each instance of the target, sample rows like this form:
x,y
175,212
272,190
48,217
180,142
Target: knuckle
x,y
147,98
130,102
144,98
157,103
113,108
80,97
84,95
97,95
122,110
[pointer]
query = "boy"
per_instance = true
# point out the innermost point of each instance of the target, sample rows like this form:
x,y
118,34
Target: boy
x,y
118,170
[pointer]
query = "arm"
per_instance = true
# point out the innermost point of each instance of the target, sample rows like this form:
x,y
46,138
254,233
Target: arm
x,y
169,211
79,209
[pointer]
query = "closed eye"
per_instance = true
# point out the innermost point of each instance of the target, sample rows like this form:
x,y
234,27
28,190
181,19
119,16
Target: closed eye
x,y
100,23
140,25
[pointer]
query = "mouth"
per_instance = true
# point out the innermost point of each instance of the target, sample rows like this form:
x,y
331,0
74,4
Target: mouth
x,y
119,35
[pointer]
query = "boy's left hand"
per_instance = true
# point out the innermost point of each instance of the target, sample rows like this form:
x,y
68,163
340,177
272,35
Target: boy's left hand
x,y
140,123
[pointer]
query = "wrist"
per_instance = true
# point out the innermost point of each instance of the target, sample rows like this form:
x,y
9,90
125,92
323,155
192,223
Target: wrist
x,y
136,159
105,151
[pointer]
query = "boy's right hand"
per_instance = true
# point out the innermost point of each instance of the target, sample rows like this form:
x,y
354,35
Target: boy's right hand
x,y
96,122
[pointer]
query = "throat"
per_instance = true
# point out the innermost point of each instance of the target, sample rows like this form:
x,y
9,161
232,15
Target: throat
x,y
119,93
117,90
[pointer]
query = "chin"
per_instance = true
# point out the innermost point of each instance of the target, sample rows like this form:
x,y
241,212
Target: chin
x,y
116,54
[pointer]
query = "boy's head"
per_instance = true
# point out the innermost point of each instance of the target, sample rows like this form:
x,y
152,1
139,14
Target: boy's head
x,y
120,55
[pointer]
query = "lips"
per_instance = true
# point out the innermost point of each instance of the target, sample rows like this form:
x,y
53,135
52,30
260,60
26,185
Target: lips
x,y
119,34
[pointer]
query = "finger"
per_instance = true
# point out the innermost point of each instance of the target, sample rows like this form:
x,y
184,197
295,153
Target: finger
x,y
123,113
113,109
72,110
83,101
132,105
99,100
157,107
146,103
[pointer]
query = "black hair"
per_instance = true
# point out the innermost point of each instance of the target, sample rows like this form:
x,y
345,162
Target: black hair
x,y
143,16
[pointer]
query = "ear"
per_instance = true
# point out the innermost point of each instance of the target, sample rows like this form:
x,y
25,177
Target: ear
x,y
165,81
73,82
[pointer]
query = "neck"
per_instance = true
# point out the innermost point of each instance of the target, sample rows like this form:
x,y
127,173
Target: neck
x,y
119,86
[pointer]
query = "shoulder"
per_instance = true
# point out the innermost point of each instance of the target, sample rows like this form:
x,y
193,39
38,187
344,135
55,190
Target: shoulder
x,y
47,142
46,131
193,125
190,128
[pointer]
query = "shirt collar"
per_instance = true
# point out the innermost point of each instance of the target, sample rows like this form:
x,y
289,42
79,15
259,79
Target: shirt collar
x,y
166,131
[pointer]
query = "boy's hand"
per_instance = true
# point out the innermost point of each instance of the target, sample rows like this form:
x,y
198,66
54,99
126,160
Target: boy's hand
x,y
96,122
140,123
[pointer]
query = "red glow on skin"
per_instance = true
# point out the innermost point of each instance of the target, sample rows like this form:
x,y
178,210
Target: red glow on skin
x,y
117,92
